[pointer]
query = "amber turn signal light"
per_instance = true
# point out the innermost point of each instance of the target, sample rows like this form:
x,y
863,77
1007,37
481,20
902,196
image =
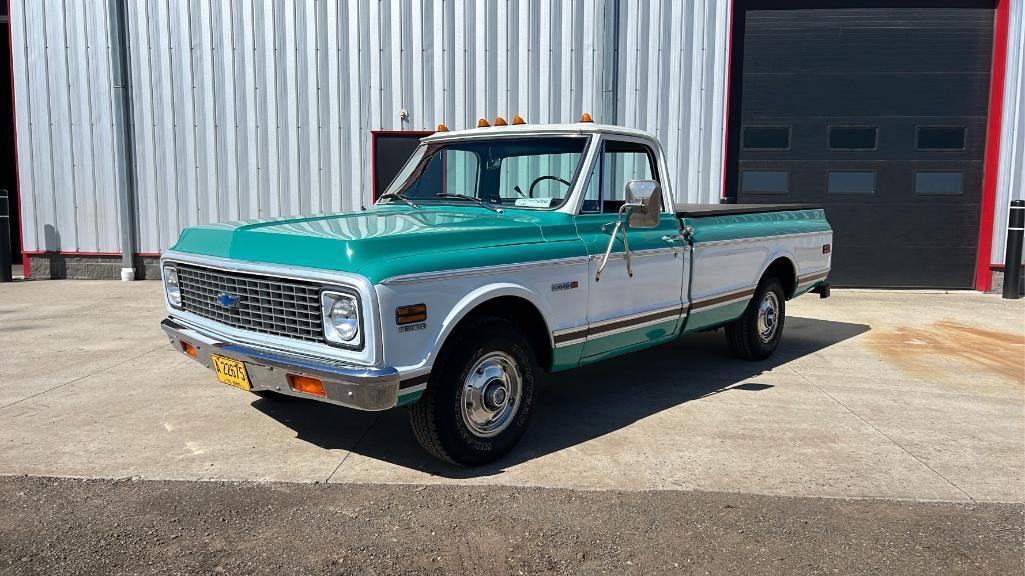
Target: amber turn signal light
x,y
189,349
306,385
411,314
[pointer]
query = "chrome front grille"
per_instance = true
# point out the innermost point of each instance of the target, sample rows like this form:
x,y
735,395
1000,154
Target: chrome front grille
x,y
289,308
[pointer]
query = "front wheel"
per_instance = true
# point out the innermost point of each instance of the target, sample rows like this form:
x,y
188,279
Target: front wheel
x,y
755,335
480,395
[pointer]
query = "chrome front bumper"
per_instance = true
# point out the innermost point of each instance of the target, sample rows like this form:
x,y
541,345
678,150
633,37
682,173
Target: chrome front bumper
x,y
346,385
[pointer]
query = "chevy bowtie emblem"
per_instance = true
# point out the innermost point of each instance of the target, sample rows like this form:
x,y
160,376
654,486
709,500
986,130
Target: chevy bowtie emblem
x,y
227,300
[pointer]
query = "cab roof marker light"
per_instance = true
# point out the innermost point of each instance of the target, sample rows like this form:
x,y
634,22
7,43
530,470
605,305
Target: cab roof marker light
x,y
482,123
517,121
500,121
586,117
441,128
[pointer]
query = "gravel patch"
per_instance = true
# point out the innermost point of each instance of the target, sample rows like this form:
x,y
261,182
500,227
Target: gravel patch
x,y
68,526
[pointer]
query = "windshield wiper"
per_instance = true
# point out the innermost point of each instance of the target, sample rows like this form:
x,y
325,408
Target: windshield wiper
x,y
479,202
401,198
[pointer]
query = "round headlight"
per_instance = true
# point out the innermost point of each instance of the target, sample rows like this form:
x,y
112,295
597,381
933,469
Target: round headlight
x,y
174,293
344,318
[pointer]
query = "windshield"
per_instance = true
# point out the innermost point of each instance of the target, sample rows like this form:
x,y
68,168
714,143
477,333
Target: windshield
x,y
521,172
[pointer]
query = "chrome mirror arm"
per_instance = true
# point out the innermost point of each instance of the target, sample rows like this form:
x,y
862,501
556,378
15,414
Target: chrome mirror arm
x,y
612,240
608,251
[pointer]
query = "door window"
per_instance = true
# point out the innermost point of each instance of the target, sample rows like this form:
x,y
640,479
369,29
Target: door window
x,y
619,163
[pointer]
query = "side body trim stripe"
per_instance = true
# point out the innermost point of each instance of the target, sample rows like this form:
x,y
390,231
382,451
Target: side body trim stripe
x,y
713,243
614,325
414,381
711,301
812,277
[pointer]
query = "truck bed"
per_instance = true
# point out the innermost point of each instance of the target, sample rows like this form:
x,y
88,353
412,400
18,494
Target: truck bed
x,y
700,210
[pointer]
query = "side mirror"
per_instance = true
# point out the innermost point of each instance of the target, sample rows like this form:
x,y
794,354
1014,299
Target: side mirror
x,y
643,203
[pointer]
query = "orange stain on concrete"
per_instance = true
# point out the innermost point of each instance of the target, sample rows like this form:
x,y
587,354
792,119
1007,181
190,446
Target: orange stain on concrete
x,y
916,349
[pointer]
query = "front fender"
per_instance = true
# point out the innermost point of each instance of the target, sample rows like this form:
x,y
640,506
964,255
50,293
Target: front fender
x,y
479,296
414,351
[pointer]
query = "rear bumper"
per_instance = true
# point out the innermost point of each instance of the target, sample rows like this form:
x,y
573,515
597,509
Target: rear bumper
x,y
357,387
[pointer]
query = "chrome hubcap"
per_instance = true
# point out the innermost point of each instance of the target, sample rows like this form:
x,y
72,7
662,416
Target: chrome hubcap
x,y
491,394
768,317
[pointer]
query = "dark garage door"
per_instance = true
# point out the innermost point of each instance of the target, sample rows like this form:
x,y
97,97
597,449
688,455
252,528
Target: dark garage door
x,y
877,113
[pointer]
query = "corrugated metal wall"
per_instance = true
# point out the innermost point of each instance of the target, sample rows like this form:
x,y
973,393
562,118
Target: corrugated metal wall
x,y
672,83
256,108
64,125
1011,179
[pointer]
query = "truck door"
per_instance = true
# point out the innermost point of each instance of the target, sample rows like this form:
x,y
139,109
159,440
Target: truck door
x,y
625,311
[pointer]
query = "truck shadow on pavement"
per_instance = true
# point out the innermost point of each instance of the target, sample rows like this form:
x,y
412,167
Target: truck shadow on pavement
x,y
576,406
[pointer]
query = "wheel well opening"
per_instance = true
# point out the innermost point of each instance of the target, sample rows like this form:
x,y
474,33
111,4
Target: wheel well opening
x,y
783,269
521,312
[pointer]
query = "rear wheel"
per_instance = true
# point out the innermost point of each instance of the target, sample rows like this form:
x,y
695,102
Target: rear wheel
x,y
480,395
755,335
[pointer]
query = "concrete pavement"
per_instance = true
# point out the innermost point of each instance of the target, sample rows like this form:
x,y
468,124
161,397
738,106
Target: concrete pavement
x,y
907,395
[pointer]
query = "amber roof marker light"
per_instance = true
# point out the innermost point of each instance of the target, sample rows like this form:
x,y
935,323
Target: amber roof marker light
x,y
517,121
482,123
500,121
441,128
586,117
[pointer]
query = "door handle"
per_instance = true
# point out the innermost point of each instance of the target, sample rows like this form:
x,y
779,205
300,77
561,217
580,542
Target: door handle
x,y
669,239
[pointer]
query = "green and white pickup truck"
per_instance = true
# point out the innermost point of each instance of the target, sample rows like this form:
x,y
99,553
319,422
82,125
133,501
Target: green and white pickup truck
x,y
495,254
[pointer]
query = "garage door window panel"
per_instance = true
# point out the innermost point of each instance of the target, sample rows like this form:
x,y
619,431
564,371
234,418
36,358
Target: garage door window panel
x,y
853,137
766,138
851,182
939,183
775,182
940,138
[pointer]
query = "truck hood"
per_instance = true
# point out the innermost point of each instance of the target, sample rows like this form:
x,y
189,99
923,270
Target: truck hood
x,y
349,242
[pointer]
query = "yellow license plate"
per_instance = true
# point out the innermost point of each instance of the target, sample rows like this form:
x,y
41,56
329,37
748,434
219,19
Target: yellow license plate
x,y
231,372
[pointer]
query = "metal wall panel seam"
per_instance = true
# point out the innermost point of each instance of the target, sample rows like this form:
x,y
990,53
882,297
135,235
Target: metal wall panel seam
x,y
22,74
206,133
142,75
413,92
226,127
329,101
62,132
357,97
290,46
79,106
41,126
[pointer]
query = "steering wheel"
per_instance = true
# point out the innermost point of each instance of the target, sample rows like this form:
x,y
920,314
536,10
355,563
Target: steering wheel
x,y
530,191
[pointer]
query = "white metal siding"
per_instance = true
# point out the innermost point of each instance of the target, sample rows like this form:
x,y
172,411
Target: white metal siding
x,y
259,108
672,83
64,125
1010,180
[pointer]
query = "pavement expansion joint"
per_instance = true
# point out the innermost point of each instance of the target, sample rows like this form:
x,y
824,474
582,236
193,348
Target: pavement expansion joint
x,y
89,375
884,435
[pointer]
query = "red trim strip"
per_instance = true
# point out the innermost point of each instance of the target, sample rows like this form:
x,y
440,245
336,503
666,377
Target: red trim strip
x,y
726,109
983,278
373,153
26,265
